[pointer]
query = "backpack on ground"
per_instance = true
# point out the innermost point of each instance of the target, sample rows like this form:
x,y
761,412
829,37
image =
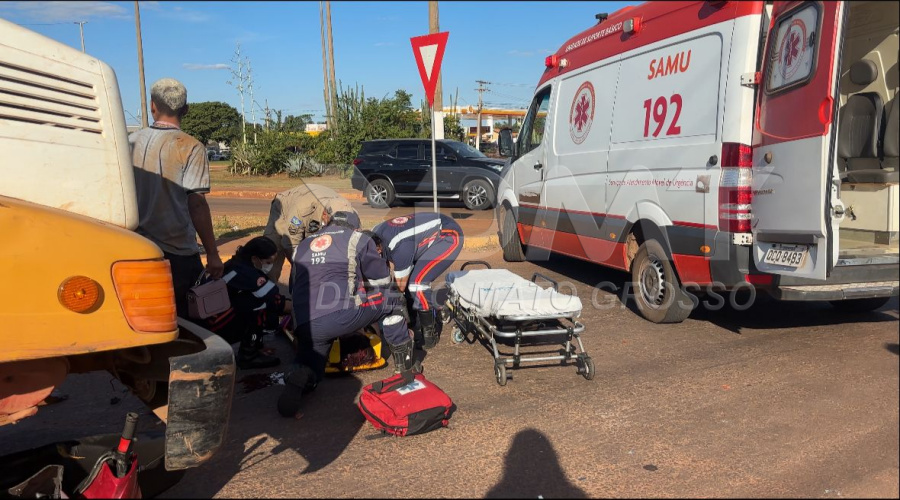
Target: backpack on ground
x,y
403,406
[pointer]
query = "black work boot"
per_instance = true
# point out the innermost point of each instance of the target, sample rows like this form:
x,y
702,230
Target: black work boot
x,y
298,383
250,358
427,325
404,358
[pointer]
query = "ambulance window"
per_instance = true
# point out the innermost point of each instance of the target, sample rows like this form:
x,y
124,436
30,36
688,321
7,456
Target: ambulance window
x,y
792,53
532,132
407,151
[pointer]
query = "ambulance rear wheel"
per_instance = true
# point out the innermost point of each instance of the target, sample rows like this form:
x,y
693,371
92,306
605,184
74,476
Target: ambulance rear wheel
x,y
509,237
380,193
657,290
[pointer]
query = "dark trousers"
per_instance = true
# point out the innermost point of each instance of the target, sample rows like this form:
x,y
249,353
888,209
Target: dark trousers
x,y
433,262
185,271
316,337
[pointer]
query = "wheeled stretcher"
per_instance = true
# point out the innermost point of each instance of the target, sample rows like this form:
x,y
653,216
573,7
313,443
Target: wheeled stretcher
x,y
487,304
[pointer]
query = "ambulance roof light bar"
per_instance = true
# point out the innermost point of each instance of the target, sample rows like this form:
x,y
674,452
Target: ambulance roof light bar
x,y
601,17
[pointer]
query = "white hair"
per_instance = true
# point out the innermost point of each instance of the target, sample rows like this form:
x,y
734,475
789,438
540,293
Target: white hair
x,y
169,92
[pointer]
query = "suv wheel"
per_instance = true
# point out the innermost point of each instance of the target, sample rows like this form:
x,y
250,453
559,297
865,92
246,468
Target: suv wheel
x,y
380,193
478,194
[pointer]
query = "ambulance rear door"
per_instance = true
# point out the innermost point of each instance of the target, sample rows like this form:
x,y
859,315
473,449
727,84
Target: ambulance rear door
x,y
794,228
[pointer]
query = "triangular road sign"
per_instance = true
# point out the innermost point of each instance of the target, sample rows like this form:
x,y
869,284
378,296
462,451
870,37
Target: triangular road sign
x,y
429,51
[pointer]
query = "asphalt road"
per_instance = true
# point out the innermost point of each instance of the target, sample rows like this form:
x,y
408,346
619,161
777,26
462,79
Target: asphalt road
x,y
780,400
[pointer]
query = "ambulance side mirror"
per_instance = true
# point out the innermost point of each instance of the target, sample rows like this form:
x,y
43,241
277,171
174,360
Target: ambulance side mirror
x,y
507,146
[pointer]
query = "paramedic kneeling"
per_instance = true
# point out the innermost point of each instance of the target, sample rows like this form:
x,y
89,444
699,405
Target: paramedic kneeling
x,y
421,246
327,272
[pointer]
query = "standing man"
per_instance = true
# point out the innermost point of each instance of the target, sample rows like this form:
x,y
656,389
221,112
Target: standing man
x,y
421,246
171,175
328,269
297,213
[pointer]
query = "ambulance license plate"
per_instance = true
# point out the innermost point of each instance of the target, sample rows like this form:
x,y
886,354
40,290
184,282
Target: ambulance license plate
x,y
786,255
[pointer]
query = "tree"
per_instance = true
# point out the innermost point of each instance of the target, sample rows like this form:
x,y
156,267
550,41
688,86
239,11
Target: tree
x,y
293,123
215,121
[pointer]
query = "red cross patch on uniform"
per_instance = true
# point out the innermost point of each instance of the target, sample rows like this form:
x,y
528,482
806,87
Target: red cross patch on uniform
x,y
398,221
261,281
321,243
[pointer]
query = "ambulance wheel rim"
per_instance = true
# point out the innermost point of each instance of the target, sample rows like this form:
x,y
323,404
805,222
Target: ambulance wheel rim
x,y
653,278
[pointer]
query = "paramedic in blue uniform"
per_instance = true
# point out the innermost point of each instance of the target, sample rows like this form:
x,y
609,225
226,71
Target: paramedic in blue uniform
x,y
328,269
421,246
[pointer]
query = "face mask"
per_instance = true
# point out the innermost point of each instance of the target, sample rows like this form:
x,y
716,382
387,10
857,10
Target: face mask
x,y
266,268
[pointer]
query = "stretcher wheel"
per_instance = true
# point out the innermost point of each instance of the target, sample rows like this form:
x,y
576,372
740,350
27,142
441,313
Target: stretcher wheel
x,y
500,372
458,335
587,368
445,315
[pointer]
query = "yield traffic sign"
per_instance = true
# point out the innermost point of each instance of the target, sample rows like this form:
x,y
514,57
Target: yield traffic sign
x,y
429,51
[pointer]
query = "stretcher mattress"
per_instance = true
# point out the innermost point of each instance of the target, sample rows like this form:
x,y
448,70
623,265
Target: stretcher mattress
x,y
502,294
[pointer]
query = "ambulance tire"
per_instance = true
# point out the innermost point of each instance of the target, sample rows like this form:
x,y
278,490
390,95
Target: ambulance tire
x,y
657,291
859,305
380,193
478,194
513,250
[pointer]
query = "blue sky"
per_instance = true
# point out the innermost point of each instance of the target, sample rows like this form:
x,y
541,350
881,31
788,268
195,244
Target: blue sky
x,y
502,42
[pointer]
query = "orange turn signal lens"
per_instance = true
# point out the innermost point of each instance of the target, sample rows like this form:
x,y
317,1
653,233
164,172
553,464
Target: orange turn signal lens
x,y
146,293
79,293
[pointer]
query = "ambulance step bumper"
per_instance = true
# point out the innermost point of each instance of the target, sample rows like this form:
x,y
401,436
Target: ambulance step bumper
x,y
842,291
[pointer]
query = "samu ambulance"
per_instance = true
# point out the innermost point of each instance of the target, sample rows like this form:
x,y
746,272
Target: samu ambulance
x,y
717,146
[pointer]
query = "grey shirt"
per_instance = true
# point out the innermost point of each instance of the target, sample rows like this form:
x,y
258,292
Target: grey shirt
x,y
168,166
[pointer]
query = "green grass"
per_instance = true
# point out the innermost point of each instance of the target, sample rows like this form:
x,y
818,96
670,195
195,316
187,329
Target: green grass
x,y
221,179
237,226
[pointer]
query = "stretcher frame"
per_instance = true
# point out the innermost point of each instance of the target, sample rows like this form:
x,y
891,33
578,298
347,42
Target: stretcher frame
x,y
471,327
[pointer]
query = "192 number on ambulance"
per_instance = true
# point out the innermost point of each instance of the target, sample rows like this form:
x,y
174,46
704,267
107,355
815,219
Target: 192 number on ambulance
x,y
660,109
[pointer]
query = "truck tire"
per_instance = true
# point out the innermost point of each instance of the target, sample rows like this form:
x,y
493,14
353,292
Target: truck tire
x,y
380,193
657,290
859,305
509,237
478,194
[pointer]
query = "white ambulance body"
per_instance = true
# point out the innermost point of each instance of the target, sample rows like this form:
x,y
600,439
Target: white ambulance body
x,y
710,146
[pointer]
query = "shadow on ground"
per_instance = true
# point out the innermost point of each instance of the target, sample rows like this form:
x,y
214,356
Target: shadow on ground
x,y
532,470
330,420
755,311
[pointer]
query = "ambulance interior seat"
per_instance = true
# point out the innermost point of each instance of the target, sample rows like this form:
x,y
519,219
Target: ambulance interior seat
x,y
860,130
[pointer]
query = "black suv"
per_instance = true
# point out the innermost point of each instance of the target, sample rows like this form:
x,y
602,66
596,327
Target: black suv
x,y
390,169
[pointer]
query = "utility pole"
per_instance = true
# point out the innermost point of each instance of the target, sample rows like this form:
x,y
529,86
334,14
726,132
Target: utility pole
x,y
240,79
334,98
267,114
325,86
140,47
81,29
480,89
437,119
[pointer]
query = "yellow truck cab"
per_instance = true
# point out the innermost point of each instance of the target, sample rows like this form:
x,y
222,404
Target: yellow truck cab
x,y
81,290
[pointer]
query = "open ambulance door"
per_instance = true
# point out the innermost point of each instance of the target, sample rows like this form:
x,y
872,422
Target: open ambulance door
x,y
795,231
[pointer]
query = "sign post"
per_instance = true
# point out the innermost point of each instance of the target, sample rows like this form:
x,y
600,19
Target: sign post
x,y
429,51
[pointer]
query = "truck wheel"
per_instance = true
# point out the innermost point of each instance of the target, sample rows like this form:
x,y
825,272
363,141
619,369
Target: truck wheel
x,y
478,194
657,290
859,305
380,193
509,237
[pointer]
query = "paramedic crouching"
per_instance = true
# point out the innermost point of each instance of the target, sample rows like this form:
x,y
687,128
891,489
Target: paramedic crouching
x,y
327,271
